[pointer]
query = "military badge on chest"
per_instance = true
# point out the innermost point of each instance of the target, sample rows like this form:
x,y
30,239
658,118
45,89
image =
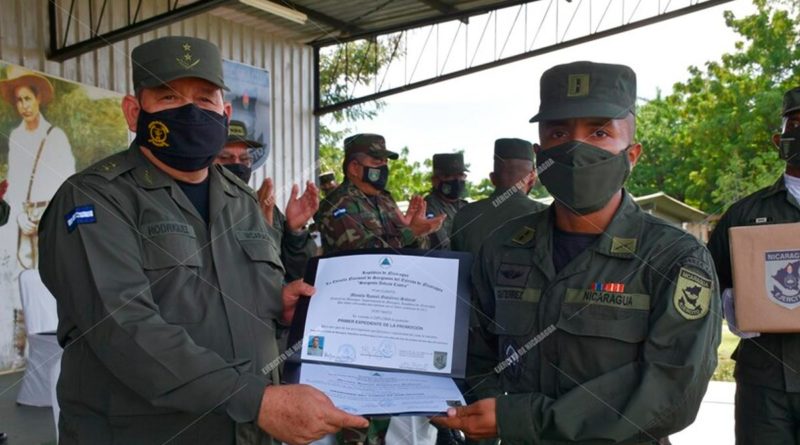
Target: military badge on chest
x,y
513,365
782,277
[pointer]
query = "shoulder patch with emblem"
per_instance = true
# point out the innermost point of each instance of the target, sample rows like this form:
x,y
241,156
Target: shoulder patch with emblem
x,y
340,212
692,297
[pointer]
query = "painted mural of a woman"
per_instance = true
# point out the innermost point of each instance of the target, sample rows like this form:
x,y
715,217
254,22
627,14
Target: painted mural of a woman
x,y
39,158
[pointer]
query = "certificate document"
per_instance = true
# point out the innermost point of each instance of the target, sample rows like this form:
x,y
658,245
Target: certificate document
x,y
363,392
386,330
383,311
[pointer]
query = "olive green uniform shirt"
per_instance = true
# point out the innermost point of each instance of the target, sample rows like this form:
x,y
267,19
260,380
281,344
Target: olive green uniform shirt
x,y
475,221
440,239
618,347
771,360
5,209
296,248
349,219
168,324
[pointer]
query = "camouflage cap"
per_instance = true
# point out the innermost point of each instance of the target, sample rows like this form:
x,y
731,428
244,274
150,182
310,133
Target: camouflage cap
x,y
791,101
370,144
449,163
586,89
326,177
512,148
168,58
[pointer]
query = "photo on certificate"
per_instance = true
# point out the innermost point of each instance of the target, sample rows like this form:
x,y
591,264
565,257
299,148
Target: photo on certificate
x,y
386,331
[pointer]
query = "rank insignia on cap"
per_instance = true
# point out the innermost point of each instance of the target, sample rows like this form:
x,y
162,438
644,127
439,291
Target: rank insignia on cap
x,y
187,61
158,134
79,215
578,85
692,296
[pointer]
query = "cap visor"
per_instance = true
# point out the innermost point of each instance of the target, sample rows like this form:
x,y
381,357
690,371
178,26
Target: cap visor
x,y
383,154
580,110
152,82
791,110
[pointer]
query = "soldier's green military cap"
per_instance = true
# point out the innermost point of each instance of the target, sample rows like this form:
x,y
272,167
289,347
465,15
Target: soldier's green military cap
x,y
169,58
512,148
370,144
791,101
586,89
327,177
449,163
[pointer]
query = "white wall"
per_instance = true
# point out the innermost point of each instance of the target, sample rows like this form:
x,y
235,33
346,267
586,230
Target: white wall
x,y
24,40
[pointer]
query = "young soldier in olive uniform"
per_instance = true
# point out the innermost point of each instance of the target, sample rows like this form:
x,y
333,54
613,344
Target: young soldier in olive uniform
x,y
598,323
768,366
167,281
360,213
449,184
513,178
296,245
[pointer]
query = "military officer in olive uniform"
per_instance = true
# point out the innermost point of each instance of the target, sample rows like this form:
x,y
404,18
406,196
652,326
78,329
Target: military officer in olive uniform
x,y
598,323
360,213
513,178
5,209
168,284
767,365
240,155
449,182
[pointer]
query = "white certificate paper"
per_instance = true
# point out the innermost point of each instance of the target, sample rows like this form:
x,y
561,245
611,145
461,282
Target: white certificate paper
x,y
383,311
363,391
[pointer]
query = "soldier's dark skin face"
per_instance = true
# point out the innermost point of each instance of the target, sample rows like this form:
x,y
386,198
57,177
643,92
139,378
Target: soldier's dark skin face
x,y
611,135
790,122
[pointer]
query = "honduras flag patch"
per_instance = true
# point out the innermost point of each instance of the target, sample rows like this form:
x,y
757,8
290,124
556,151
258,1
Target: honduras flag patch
x,y
338,213
80,215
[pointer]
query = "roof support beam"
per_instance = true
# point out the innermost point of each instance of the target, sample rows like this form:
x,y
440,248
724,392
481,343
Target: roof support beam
x,y
324,19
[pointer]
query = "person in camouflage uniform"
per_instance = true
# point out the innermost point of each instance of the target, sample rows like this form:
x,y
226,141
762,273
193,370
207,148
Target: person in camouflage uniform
x,y
449,182
239,156
513,178
361,214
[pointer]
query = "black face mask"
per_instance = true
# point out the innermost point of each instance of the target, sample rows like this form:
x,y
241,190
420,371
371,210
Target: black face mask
x,y
789,146
186,138
452,189
240,170
582,176
376,176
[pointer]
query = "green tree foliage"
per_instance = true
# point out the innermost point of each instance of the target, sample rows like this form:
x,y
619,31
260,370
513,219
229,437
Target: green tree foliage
x,y
708,143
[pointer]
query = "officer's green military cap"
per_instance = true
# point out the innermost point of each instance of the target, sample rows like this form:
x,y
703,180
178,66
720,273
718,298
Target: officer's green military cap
x,y
326,177
370,144
237,132
449,163
791,101
586,89
512,148
169,58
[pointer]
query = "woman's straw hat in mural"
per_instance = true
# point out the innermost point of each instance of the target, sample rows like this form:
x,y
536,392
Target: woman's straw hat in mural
x,y
17,77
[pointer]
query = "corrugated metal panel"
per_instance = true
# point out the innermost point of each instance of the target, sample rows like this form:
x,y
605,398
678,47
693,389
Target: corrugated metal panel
x,y
24,34
24,37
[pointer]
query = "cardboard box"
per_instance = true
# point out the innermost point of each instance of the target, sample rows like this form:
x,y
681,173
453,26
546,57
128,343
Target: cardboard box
x,y
766,277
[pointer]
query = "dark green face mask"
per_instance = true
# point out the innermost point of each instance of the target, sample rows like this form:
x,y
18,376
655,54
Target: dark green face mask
x,y
582,176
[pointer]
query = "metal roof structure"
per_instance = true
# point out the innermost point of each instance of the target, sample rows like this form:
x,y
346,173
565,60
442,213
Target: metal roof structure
x,y
526,28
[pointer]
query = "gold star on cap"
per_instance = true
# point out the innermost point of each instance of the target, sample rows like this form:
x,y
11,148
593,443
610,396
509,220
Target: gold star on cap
x,y
187,62
187,47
